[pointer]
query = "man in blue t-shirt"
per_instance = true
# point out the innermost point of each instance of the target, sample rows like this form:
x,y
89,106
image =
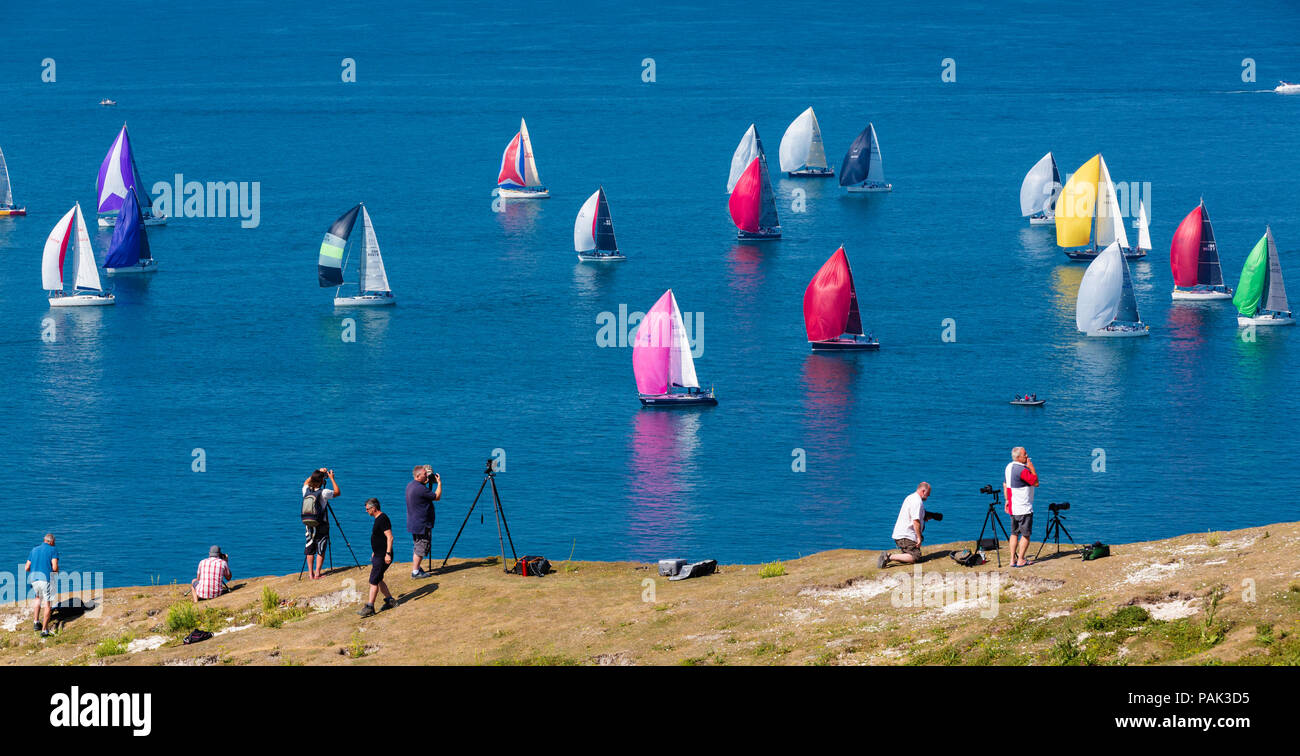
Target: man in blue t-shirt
x,y
420,496
42,565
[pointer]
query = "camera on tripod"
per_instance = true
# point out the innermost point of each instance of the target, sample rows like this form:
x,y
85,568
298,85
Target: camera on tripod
x,y
987,490
936,516
1054,507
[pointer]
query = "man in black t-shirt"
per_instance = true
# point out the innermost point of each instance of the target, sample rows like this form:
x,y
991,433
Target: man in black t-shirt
x,y
381,555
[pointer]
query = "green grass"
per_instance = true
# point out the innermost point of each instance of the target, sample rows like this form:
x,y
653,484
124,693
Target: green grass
x,y
771,569
356,647
182,617
1212,540
539,660
113,646
270,599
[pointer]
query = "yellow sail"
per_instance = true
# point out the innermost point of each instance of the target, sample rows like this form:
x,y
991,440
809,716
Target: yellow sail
x,y
1075,206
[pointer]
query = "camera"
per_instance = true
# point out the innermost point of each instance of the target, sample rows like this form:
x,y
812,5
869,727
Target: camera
x,y
1054,507
987,489
936,516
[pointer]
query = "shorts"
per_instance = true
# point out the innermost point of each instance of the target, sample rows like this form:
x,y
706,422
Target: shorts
x,y
908,546
422,543
318,537
1022,525
43,590
377,570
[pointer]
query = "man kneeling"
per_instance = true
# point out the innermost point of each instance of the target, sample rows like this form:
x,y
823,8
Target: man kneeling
x,y
908,529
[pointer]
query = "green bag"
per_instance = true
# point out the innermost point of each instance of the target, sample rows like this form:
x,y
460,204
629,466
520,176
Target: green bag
x,y
1096,551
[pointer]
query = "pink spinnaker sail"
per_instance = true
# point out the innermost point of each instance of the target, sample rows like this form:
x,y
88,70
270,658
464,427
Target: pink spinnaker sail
x,y
510,174
1185,249
746,203
651,352
827,300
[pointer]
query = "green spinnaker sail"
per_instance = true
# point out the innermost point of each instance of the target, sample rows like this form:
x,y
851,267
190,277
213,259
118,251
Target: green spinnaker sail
x,y
1254,275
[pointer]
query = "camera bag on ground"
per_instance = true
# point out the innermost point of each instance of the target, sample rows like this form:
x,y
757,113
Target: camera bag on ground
x,y
311,507
531,566
967,558
1096,551
696,569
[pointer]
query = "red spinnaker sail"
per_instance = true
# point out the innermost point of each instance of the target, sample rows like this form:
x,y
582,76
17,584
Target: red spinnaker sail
x,y
1185,250
746,202
827,299
510,174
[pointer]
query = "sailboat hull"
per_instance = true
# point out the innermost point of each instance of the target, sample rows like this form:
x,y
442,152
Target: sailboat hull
x,y
678,400
1042,220
1088,255
139,269
811,173
12,211
1187,294
844,345
365,300
83,300
109,221
1121,333
863,188
763,234
1266,320
607,257
536,192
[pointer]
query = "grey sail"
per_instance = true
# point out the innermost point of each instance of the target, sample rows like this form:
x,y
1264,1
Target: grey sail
x,y
1128,306
1276,298
1208,270
768,199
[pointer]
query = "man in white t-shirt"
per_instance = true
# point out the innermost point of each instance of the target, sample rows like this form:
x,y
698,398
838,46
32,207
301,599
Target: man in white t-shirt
x,y
908,529
1019,481
318,532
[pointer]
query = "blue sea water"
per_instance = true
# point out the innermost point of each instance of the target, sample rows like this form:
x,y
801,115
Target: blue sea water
x,y
232,348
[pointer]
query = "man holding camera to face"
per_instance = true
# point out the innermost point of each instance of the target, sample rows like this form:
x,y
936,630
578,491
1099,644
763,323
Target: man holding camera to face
x,y
1020,479
908,528
421,493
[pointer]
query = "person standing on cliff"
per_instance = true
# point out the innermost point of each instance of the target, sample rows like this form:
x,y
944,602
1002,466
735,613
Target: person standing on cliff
x,y
420,496
42,565
1019,480
908,529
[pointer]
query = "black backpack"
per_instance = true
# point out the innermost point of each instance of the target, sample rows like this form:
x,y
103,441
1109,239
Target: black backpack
x,y
312,505
533,566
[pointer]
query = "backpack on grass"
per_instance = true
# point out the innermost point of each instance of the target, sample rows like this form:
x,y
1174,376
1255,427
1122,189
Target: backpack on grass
x,y
531,566
1096,551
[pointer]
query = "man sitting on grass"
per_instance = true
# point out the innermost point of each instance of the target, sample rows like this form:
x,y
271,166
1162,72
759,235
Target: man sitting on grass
x,y
907,531
213,574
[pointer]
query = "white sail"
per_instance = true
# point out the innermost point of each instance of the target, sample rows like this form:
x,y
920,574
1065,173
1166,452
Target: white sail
x,y
531,178
876,168
51,269
1100,291
1038,190
584,226
681,364
1144,231
87,269
801,145
6,191
1110,221
745,153
373,278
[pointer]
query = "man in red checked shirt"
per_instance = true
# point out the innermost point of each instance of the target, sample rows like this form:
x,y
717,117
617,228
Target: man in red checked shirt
x,y
1019,481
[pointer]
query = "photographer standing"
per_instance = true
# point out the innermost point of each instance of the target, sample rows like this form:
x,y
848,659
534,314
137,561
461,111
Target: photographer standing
x,y
420,496
1020,479
318,523
908,528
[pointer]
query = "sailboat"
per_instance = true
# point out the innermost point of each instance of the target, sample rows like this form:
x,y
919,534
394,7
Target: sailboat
x,y
1261,293
662,362
7,206
753,201
1106,305
1038,191
593,231
86,290
116,173
802,152
1144,232
372,280
863,169
830,309
1194,259
1090,195
518,178
128,252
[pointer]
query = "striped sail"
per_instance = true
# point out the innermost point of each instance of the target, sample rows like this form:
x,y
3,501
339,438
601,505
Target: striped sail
x,y
329,264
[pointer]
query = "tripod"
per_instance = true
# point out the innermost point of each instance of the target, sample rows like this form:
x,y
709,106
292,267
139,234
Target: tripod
x,y
329,546
992,517
489,475
1054,528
